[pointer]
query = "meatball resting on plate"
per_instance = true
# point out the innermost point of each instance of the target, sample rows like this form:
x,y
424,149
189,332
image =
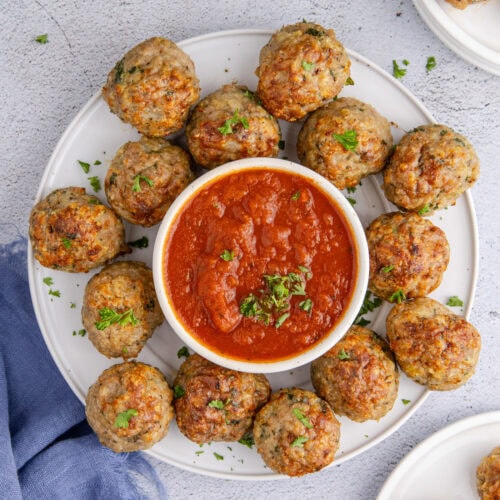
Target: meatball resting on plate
x,y
301,67
296,432
73,231
430,168
214,403
358,376
129,407
120,309
488,476
345,140
230,124
153,87
408,256
432,345
145,177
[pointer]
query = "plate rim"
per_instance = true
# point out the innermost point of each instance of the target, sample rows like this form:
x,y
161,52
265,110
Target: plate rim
x,y
456,39
94,101
438,437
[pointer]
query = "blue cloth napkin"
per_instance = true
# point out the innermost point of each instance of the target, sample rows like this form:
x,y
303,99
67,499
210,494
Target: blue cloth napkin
x,y
47,449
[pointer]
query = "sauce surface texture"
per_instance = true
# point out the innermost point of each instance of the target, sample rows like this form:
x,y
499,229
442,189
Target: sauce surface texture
x,y
238,244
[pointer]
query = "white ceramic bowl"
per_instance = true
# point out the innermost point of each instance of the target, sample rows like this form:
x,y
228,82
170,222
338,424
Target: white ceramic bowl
x,y
350,311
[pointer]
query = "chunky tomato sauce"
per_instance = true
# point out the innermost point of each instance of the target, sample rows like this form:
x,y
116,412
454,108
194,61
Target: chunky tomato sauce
x,y
237,231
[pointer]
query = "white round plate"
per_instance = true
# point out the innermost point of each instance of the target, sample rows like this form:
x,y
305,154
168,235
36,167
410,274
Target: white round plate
x,y
472,33
444,465
96,134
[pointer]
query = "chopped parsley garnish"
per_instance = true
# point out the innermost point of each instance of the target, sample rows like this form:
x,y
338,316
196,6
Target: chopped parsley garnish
x,y
348,139
199,452
218,403
109,317
218,457
183,352
95,183
55,293
349,81
98,162
72,305
139,243
368,306
295,196
397,297
66,242
136,187
48,281
123,418
302,418
227,255
179,391
454,301
397,71
314,32
307,66
351,200
424,210
388,269
42,39
351,189
406,401
306,305
274,301
299,441
80,333
247,440
227,128
85,166
431,63
343,355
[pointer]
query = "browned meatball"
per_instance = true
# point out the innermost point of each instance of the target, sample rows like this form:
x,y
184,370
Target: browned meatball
x,y
358,376
129,407
153,87
296,432
408,256
73,231
120,309
301,67
345,140
488,476
144,179
431,167
216,403
433,346
462,4
230,124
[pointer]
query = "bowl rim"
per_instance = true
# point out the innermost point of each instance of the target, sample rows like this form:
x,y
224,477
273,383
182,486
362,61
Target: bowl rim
x,y
350,218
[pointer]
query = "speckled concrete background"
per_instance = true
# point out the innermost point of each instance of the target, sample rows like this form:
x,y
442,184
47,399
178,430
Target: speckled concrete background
x,y
43,86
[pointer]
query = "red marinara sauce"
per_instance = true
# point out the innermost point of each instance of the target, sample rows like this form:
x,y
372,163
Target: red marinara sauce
x,y
241,228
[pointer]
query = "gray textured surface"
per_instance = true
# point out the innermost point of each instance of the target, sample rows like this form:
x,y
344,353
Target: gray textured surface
x,y
43,86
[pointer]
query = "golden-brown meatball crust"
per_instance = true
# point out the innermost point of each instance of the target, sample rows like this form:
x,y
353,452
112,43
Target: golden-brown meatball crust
x,y
301,67
488,476
73,231
345,165
230,124
408,256
431,167
358,376
462,4
144,179
296,432
129,407
433,346
121,287
153,87
216,403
